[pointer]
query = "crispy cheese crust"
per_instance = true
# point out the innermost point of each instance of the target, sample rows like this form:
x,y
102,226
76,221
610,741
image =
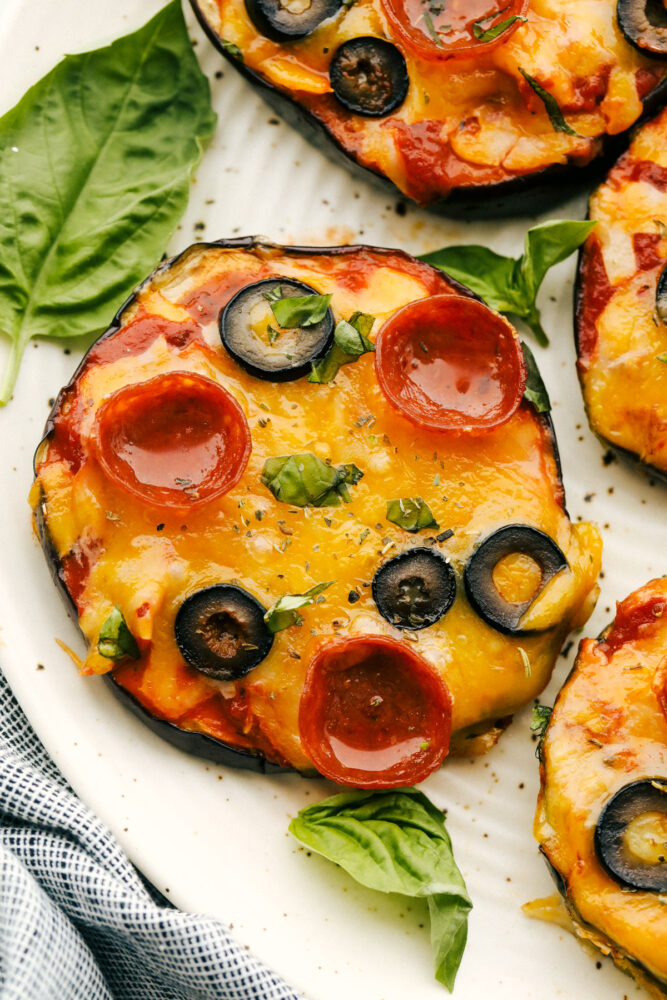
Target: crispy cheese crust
x,y
620,337
607,729
467,123
111,549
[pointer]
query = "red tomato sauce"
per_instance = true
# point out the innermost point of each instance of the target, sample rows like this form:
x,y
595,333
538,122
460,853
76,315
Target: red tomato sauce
x,y
430,165
595,292
629,170
646,246
633,623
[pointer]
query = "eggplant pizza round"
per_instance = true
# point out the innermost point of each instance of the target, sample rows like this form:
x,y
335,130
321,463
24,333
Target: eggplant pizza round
x,y
621,302
306,507
602,812
442,97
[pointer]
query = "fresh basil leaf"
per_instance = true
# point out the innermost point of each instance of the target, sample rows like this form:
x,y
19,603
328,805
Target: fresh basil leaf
x,y
350,342
488,34
307,481
395,841
535,391
283,613
116,641
96,162
411,513
538,725
510,284
662,357
488,274
547,245
298,311
231,49
551,106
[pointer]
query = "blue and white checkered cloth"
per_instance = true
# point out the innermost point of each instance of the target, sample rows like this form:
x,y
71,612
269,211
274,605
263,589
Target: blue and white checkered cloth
x,y
76,920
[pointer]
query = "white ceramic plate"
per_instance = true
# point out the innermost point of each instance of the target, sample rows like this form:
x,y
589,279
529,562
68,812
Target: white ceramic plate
x,y
215,840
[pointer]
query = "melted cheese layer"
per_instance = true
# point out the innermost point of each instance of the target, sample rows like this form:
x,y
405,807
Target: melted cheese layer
x,y
117,551
465,122
607,730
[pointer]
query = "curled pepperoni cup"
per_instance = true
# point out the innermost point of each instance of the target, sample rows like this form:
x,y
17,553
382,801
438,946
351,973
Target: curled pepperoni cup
x,y
466,29
176,441
373,713
449,363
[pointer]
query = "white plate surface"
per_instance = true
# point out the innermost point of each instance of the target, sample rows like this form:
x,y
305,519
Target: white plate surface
x,y
216,840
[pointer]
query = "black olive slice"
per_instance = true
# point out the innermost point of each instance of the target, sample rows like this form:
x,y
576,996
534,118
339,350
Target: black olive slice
x,y
647,871
414,589
644,24
661,296
290,355
221,632
478,575
369,76
292,19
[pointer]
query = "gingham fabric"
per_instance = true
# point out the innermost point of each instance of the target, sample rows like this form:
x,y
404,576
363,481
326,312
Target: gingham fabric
x,y
76,920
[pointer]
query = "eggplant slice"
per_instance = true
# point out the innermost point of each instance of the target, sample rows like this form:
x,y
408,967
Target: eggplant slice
x,y
601,818
192,583
472,134
621,304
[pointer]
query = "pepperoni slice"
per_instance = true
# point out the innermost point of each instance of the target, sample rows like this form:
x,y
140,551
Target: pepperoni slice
x,y
449,29
449,363
373,713
176,441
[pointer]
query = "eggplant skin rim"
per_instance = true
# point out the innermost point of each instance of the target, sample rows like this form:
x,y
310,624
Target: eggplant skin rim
x,y
657,988
621,958
200,744
631,458
526,193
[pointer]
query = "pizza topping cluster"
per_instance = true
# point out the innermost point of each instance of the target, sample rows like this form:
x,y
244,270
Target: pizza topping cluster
x,y
441,97
240,549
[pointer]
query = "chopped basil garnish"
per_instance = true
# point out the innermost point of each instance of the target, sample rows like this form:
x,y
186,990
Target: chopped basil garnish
x,y
428,21
298,311
307,481
231,49
350,342
116,641
283,613
551,106
663,358
510,284
273,294
396,841
538,725
535,391
527,669
411,513
488,34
